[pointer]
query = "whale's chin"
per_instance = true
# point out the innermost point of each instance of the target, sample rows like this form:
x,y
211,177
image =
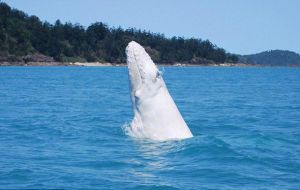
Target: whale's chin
x,y
156,115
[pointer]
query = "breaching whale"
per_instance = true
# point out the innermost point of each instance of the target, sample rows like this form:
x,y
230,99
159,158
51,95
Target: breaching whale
x,y
156,115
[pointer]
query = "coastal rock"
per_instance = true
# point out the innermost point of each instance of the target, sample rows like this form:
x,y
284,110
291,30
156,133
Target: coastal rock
x,y
202,61
37,58
33,59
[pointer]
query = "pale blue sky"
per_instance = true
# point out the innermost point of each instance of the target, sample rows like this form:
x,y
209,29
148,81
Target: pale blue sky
x,y
239,26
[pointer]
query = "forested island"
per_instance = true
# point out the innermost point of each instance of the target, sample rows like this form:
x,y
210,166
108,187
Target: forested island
x,y
26,39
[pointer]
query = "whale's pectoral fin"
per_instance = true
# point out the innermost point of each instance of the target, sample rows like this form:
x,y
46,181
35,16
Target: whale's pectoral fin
x,y
138,93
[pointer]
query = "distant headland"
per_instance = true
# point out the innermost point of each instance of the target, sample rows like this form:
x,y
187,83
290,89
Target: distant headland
x,y
26,40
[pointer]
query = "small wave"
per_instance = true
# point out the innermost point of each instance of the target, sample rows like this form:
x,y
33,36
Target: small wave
x,y
126,127
130,130
134,129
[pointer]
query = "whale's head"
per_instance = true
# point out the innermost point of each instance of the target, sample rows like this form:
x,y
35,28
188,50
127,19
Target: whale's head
x,y
145,78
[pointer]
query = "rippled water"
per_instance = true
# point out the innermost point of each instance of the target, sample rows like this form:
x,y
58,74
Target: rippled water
x,y
60,127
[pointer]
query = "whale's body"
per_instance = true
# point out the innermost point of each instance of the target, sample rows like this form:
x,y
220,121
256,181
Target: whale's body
x,y
156,115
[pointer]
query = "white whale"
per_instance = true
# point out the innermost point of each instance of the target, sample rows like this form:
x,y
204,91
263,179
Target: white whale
x,y
156,116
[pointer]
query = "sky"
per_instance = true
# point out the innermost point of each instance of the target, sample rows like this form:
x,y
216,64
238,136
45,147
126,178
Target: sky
x,y
239,26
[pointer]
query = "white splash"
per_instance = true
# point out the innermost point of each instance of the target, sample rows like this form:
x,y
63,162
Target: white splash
x,y
156,116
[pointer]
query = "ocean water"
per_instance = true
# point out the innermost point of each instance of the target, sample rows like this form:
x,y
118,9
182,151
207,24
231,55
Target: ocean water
x,y
61,127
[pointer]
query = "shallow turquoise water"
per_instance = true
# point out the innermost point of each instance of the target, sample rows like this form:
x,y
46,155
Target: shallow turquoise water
x,y
61,127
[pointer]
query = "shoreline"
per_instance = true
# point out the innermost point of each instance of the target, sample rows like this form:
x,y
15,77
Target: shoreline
x,y
98,64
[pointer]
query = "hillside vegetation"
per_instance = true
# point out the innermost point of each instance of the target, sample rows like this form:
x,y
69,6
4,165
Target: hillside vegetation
x,y
274,58
22,35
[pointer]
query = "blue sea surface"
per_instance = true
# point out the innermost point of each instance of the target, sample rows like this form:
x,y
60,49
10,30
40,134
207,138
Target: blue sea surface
x,y
61,127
